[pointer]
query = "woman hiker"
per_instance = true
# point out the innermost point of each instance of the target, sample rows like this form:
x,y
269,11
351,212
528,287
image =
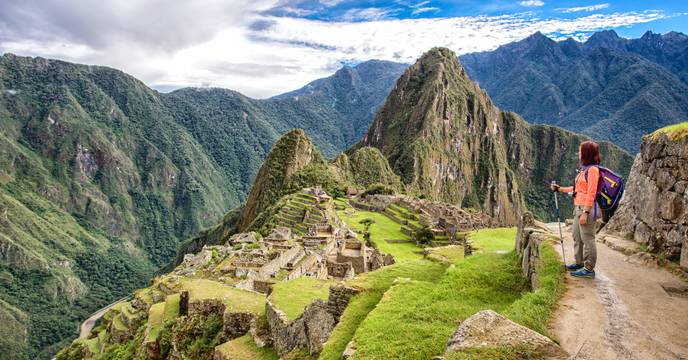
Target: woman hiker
x,y
584,190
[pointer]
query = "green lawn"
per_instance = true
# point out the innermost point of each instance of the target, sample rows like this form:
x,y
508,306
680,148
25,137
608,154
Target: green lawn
x,y
383,229
245,349
294,295
233,298
491,240
449,254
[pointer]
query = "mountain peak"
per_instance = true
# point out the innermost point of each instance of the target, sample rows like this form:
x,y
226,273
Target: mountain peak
x,y
292,153
603,35
606,38
648,35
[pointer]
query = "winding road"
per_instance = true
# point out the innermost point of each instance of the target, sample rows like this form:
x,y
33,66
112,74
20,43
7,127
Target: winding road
x,y
88,324
624,313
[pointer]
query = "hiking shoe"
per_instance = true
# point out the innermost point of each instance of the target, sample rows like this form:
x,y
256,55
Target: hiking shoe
x,y
574,267
584,273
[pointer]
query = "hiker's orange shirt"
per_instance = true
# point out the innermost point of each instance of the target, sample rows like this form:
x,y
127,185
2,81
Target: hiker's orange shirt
x,y
585,190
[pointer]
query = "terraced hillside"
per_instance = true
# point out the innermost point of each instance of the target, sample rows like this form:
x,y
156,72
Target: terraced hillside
x,y
285,294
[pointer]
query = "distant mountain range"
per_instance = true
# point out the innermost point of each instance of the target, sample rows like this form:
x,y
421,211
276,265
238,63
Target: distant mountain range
x,y
608,87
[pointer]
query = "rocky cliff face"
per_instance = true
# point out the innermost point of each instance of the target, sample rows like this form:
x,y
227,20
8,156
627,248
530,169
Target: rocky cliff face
x,y
654,210
446,140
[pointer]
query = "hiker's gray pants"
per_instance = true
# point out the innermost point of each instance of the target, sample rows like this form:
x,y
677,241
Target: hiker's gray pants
x,y
584,239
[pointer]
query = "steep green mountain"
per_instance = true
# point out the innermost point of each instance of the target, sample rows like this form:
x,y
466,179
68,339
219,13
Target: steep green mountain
x,y
607,88
446,140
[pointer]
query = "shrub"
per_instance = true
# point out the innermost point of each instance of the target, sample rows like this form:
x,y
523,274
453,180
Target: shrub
x,y
423,235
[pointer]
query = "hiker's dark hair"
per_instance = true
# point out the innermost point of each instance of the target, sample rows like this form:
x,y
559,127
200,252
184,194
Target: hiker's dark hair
x,y
590,153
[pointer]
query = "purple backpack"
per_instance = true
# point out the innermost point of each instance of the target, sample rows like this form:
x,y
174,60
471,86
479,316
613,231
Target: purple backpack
x,y
610,189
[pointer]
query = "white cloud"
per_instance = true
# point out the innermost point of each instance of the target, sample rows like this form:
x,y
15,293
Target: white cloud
x,y
366,14
584,8
532,3
263,55
331,2
421,10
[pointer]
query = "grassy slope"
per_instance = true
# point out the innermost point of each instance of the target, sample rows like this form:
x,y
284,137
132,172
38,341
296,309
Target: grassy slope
x,y
244,348
373,286
414,319
294,295
674,132
383,229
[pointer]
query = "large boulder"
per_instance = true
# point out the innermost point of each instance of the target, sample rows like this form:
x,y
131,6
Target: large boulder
x,y
488,329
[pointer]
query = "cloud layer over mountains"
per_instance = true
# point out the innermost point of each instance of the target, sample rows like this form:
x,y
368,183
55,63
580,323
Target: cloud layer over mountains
x,y
266,47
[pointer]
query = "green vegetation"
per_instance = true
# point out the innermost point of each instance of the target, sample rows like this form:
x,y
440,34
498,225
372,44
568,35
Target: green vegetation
x,y
244,348
383,228
235,299
674,132
416,316
294,295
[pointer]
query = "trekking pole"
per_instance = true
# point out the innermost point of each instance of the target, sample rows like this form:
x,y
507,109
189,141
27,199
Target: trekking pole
x,y
561,236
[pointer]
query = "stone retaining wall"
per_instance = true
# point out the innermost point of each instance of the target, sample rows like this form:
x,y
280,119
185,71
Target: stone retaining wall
x,y
529,236
654,210
312,329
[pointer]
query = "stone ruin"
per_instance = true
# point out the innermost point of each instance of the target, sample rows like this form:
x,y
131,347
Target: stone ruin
x,y
442,218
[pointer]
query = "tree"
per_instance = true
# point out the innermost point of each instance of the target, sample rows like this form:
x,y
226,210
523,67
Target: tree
x,y
424,235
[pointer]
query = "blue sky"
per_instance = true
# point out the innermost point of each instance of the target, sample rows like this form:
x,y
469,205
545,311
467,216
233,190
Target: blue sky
x,y
266,47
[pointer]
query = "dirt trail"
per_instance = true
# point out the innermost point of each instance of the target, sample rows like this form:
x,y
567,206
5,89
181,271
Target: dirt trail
x,y
624,313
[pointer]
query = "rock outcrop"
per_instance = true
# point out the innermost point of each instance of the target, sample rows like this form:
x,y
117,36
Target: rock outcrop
x,y
488,329
654,210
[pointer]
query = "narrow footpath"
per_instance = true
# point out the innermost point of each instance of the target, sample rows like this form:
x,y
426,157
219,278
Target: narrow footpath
x,y
624,313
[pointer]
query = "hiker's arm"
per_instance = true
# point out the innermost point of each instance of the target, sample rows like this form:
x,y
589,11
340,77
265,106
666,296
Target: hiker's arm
x,y
566,189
